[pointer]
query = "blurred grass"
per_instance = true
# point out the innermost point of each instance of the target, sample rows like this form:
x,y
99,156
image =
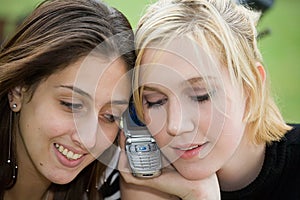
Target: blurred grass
x,y
281,52
280,49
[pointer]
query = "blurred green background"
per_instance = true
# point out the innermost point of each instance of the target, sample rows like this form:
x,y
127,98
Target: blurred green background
x,y
280,49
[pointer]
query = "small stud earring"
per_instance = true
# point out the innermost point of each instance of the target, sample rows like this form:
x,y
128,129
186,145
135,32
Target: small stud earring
x,y
14,105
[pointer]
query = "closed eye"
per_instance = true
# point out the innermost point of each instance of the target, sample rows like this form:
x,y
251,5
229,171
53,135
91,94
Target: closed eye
x,y
156,104
74,107
200,98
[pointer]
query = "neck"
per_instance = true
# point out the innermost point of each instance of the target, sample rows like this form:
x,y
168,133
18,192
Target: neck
x,y
30,183
28,187
243,167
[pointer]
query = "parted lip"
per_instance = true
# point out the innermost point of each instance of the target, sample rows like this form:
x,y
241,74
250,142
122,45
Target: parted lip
x,y
187,147
189,151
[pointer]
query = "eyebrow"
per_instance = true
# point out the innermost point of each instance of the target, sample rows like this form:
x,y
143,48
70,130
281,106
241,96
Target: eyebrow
x,y
149,88
189,81
77,90
83,93
120,102
194,80
198,80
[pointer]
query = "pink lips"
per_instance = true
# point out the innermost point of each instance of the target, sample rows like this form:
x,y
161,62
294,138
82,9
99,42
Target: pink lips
x,y
189,153
67,162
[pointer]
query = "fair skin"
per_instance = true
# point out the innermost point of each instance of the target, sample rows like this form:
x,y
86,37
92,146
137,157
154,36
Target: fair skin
x,y
72,113
198,125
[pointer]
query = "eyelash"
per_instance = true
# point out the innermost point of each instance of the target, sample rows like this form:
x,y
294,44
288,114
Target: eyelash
x,y
111,118
72,106
77,106
156,104
199,99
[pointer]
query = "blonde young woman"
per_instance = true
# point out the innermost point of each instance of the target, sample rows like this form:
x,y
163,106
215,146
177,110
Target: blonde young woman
x,y
202,90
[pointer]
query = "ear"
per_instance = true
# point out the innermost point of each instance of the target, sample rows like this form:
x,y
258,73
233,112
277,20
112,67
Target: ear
x,y
262,71
15,98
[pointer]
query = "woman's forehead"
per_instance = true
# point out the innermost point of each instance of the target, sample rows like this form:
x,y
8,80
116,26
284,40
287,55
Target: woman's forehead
x,y
165,67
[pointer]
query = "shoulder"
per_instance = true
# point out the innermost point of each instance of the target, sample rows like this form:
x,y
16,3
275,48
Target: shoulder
x,y
292,137
285,154
288,149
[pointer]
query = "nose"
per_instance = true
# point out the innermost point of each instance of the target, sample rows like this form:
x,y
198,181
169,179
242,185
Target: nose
x,y
179,119
85,134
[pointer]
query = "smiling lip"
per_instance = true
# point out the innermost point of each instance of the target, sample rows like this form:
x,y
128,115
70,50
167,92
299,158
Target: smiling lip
x,y
189,151
68,160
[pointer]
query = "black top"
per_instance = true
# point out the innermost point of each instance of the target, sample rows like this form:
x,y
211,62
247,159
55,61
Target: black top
x,y
280,174
110,189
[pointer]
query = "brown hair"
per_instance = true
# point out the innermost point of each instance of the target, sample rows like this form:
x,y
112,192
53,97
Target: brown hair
x,y
56,34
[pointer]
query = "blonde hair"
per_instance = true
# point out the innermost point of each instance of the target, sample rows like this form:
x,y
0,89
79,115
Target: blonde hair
x,y
228,31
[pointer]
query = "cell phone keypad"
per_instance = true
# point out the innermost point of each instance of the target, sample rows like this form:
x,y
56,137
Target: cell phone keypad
x,y
145,156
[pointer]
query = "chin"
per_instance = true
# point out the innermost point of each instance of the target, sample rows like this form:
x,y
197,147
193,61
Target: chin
x,y
193,173
64,179
193,177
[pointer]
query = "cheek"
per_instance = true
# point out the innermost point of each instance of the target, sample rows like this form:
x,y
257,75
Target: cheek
x,y
156,120
229,141
111,135
58,127
163,139
102,151
212,124
46,126
106,136
158,131
156,123
232,129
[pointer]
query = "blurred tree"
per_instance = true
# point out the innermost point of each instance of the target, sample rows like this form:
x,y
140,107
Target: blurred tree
x,y
12,12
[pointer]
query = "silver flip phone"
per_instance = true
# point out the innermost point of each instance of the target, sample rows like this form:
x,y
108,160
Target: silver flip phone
x,y
142,151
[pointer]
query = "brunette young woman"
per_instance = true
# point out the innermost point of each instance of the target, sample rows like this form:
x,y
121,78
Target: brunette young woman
x,y
63,87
